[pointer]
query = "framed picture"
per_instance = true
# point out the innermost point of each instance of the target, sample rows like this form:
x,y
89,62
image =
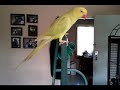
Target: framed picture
x,y
29,43
16,31
15,42
17,19
31,18
32,30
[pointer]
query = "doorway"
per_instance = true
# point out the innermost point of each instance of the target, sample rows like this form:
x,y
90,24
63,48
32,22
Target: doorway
x,y
85,47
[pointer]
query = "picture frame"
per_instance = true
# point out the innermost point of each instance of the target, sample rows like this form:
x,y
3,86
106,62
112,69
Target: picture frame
x,y
15,42
32,18
32,30
17,19
16,31
29,43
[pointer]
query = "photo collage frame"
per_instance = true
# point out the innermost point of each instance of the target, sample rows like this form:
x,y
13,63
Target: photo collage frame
x,y
18,22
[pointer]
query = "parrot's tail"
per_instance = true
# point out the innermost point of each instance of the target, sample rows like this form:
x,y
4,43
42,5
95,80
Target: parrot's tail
x,y
38,48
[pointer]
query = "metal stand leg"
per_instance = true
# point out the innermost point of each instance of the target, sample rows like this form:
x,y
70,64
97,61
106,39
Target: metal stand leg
x,y
64,61
55,62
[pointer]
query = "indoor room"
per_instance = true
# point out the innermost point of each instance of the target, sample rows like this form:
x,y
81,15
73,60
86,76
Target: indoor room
x,y
89,57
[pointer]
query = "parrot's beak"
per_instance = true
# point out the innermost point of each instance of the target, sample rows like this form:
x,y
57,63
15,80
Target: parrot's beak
x,y
84,16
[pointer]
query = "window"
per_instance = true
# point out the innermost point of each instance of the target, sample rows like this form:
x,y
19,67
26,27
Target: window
x,y
85,39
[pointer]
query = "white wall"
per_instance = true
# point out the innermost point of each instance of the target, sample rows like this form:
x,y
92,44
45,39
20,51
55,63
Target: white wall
x,y
37,70
103,26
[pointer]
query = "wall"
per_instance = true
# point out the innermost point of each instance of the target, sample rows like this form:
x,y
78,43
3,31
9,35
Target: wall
x,y
103,26
37,70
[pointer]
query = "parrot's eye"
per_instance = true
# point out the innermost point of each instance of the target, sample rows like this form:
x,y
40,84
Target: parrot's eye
x,y
81,11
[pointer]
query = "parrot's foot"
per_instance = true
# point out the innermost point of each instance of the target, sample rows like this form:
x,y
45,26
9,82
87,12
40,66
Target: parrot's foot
x,y
64,41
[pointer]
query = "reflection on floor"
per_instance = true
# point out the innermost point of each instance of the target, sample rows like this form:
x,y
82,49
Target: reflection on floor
x,y
75,80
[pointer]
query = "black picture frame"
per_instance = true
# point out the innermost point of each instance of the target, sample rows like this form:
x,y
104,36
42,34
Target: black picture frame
x,y
32,30
29,43
32,18
17,19
16,31
15,42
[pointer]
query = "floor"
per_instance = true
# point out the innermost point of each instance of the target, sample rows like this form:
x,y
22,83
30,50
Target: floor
x,y
75,80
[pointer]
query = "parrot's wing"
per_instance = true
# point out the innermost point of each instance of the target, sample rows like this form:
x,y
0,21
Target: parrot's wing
x,y
61,25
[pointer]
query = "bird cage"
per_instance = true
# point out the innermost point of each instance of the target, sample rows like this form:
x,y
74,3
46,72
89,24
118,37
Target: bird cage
x,y
113,60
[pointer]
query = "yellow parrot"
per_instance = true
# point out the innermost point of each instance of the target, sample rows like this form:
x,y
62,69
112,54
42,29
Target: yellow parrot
x,y
58,29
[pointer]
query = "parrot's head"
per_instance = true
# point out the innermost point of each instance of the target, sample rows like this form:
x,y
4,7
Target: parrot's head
x,y
80,12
